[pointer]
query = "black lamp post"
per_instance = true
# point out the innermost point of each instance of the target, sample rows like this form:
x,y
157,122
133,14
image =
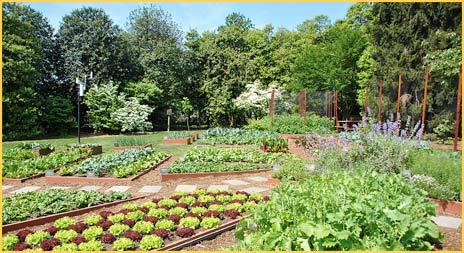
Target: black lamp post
x,y
81,90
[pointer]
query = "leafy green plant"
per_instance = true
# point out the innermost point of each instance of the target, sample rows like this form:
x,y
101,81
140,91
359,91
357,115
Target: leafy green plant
x,y
92,233
36,204
199,210
65,235
83,145
248,155
135,215
197,167
118,229
444,130
91,246
178,211
210,222
130,206
364,210
165,224
37,237
189,200
219,208
35,146
144,227
178,135
116,218
167,202
63,223
294,169
158,213
150,242
9,241
224,198
206,198
189,222
130,141
293,124
274,143
233,136
66,247
93,219
124,244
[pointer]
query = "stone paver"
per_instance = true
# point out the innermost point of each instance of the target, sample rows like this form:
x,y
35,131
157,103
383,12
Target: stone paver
x,y
27,189
90,188
150,189
235,182
118,188
220,187
185,188
447,221
60,187
6,187
255,189
258,179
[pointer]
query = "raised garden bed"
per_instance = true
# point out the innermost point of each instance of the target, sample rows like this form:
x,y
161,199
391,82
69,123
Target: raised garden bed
x,y
184,141
175,176
448,207
158,224
95,149
52,217
39,165
120,148
195,137
42,151
84,179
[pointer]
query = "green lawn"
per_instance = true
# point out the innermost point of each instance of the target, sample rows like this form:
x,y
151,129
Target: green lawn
x,y
156,139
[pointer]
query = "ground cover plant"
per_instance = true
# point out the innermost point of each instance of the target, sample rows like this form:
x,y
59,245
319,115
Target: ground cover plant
x,y
293,124
25,168
342,211
28,205
118,164
148,226
248,155
195,167
233,136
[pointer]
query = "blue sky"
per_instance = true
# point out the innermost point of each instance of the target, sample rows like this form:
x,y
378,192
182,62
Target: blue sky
x,y
206,15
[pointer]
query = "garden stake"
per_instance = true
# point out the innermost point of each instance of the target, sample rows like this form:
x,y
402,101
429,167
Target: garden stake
x,y
458,112
380,102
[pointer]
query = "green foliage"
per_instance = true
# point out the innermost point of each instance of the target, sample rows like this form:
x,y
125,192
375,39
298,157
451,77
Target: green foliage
x,y
293,124
294,169
63,223
167,202
102,101
93,219
65,235
444,130
178,211
150,242
130,141
178,135
165,224
66,247
123,244
189,200
158,213
210,222
130,206
146,91
199,210
248,155
57,117
116,218
36,238
144,227
444,167
274,144
132,116
240,136
189,222
218,208
342,211
9,241
91,246
197,167
118,229
135,215
92,233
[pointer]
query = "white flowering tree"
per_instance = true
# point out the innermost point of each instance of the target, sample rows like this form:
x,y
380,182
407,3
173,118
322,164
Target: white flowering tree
x,y
133,116
255,99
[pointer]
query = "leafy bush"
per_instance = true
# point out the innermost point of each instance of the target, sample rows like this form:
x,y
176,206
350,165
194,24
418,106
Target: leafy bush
x,y
274,143
293,124
150,242
124,244
342,211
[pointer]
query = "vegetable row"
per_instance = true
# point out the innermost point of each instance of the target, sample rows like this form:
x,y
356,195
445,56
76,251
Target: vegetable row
x,y
249,155
29,205
148,226
232,136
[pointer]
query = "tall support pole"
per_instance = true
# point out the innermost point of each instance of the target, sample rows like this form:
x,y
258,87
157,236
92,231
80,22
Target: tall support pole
x,y
336,109
425,96
271,107
379,116
458,112
398,102
366,102
302,104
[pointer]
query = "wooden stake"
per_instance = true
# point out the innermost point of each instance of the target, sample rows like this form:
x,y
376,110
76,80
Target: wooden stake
x,y
398,103
458,112
380,103
425,96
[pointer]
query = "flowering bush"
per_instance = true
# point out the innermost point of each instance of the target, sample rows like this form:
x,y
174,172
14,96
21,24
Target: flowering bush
x,y
133,116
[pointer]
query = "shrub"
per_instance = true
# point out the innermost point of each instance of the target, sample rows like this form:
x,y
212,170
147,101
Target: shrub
x,y
150,242
343,211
